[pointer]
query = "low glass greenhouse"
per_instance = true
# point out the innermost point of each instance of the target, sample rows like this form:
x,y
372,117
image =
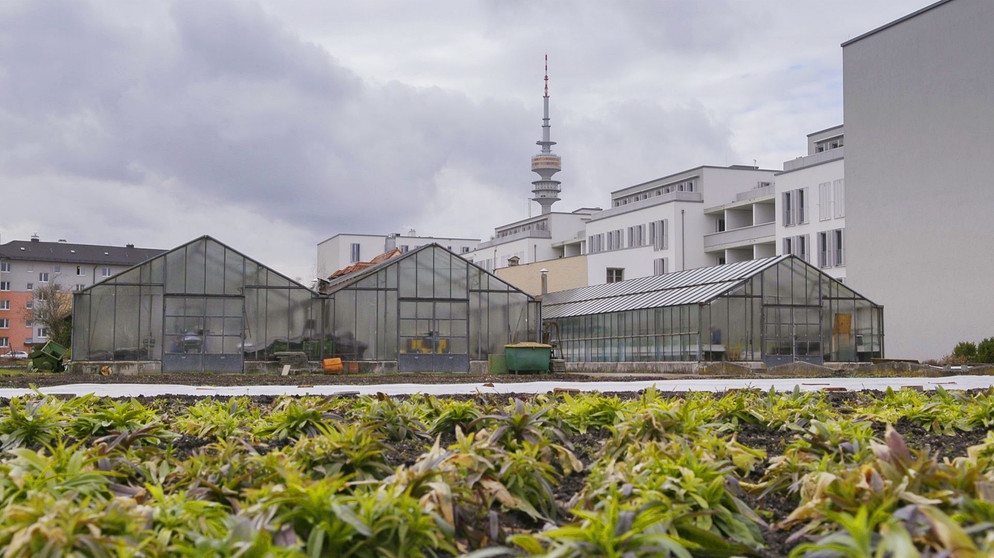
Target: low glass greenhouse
x,y
775,310
206,307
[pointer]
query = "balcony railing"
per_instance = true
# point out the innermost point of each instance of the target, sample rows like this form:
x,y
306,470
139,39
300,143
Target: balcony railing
x,y
815,159
743,236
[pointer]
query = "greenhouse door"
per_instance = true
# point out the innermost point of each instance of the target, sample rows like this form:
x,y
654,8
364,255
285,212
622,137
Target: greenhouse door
x,y
792,333
434,336
202,334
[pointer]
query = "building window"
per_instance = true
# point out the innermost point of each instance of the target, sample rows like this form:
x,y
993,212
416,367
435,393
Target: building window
x,y
802,214
80,286
465,250
79,271
31,286
824,201
4,342
355,252
5,266
796,246
831,249
658,236
43,277
839,201
838,254
105,272
4,285
660,266
615,274
41,332
801,247
636,236
29,304
4,305
720,225
57,269
595,243
794,207
4,323
614,240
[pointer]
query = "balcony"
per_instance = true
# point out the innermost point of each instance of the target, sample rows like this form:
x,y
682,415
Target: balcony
x,y
815,159
516,236
743,236
755,193
648,202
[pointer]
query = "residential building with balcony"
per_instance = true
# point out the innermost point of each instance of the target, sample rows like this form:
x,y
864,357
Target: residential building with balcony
x,y
660,226
811,204
548,236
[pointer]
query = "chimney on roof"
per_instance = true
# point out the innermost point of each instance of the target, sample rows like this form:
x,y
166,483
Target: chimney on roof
x,y
62,240
129,245
34,238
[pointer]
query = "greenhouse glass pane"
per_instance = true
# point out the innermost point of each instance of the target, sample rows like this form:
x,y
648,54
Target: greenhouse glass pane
x,y
176,271
215,268
234,273
196,262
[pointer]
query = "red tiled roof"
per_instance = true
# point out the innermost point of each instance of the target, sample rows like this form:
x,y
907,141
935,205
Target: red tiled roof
x,y
363,265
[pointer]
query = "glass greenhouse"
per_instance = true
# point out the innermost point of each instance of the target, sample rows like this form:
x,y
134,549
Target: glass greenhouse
x,y
206,307
775,310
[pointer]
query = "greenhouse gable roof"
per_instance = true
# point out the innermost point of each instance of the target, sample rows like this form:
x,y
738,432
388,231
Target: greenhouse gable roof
x,y
692,286
333,284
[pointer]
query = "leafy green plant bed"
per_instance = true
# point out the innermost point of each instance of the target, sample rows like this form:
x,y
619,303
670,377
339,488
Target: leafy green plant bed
x,y
744,473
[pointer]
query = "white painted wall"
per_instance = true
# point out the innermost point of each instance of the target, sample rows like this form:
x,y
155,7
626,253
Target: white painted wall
x,y
531,245
810,178
684,213
919,174
335,253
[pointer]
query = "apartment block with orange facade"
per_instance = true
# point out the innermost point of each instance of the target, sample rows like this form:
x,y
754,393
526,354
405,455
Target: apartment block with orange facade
x,y
28,264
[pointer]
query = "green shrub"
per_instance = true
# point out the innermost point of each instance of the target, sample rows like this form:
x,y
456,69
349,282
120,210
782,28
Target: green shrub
x,y
985,351
966,350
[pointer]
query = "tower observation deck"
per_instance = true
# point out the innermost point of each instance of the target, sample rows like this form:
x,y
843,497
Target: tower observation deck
x,y
546,163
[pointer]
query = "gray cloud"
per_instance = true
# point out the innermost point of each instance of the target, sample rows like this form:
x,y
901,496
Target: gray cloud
x,y
285,123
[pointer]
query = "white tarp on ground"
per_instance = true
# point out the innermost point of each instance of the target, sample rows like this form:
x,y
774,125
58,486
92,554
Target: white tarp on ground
x,y
681,385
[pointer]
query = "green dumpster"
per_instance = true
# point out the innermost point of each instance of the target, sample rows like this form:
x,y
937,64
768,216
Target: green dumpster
x,y
528,357
48,358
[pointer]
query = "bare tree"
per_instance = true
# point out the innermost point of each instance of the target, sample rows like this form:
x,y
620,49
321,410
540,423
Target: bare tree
x,y
51,308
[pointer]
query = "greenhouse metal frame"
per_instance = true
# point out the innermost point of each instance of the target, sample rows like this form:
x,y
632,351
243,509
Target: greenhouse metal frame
x,y
775,310
206,307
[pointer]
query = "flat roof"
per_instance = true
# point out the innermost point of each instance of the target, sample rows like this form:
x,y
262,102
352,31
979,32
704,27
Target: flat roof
x,y
895,22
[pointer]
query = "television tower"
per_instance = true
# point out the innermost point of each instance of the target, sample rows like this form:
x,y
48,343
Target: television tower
x,y
546,163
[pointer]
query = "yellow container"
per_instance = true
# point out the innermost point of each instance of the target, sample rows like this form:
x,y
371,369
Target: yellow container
x,y
332,365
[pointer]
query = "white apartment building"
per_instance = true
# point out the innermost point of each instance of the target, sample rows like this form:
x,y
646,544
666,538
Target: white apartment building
x,y
811,204
28,264
743,229
343,250
919,174
660,226
544,237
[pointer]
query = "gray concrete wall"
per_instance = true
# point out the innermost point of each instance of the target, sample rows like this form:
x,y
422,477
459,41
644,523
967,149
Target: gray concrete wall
x,y
919,171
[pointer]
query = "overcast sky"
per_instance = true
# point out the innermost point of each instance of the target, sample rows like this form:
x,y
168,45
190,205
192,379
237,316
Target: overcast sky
x,y
272,125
